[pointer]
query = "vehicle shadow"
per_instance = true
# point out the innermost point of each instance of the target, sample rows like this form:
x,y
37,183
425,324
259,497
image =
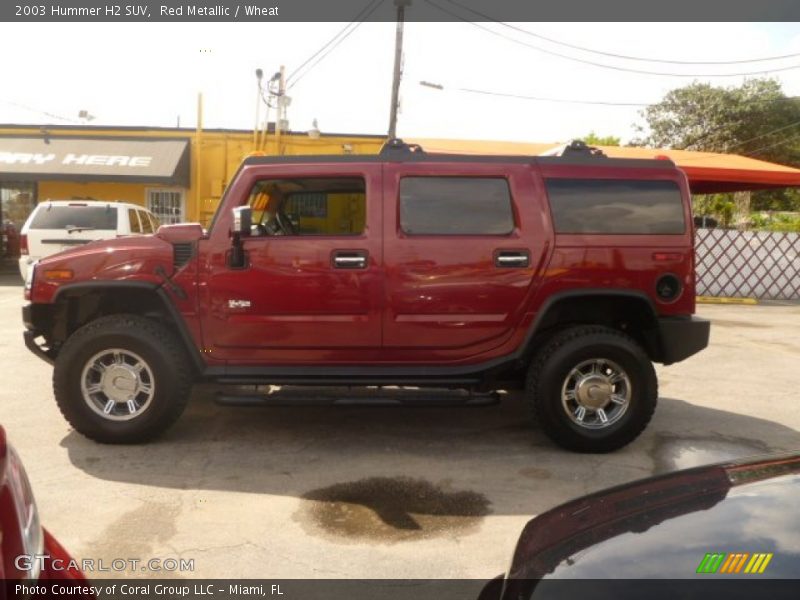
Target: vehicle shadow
x,y
467,461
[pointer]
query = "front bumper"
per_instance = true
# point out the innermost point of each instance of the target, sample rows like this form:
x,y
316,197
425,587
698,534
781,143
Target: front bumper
x,y
31,333
25,263
681,337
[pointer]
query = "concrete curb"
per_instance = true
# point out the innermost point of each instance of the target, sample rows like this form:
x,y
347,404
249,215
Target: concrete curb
x,y
715,300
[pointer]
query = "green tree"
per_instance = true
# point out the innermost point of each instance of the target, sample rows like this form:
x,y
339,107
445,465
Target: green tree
x,y
595,140
755,119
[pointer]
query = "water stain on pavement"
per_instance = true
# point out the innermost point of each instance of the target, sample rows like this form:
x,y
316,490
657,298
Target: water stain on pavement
x,y
671,453
535,473
135,533
389,510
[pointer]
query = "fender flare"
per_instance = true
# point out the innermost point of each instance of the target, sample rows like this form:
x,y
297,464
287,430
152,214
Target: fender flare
x,y
526,348
158,290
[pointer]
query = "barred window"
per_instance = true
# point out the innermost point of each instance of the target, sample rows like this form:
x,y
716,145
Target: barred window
x,y
167,205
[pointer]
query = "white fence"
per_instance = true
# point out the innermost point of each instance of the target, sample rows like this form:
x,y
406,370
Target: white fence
x,y
748,264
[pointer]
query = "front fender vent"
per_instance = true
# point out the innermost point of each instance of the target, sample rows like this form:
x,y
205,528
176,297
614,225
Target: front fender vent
x,y
182,253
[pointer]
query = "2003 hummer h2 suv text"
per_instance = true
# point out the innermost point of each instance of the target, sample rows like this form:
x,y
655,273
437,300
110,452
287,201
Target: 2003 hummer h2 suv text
x,y
564,276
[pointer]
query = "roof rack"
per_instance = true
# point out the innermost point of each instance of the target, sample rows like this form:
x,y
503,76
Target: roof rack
x,y
576,149
397,148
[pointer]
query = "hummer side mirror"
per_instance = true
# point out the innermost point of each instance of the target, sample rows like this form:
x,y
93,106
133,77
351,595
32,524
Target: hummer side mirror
x,y
242,221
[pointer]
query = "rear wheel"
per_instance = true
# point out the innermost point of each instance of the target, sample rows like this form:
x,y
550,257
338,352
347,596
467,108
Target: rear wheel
x,y
122,379
593,389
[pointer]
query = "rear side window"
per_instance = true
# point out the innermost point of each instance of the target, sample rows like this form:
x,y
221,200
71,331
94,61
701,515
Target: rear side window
x,y
455,206
154,223
147,226
134,220
616,206
81,217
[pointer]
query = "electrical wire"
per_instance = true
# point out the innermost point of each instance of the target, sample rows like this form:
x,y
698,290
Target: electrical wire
x,y
795,137
545,99
334,42
609,103
622,56
41,112
602,65
758,137
743,142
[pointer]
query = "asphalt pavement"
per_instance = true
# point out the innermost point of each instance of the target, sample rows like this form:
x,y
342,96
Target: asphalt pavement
x,y
374,492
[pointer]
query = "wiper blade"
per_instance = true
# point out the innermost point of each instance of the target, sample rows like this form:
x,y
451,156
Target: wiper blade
x,y
73,228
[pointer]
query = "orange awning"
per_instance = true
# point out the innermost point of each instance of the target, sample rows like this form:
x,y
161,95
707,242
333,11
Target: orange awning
x,y
708,172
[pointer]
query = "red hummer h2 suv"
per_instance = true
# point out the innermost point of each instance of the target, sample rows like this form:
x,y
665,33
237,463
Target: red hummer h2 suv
x,y
565,276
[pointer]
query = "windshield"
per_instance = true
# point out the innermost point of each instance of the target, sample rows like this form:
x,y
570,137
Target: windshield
x,y
83,217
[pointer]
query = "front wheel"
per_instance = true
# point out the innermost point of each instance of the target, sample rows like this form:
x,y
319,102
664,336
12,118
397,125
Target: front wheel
x,y
593,389
122,379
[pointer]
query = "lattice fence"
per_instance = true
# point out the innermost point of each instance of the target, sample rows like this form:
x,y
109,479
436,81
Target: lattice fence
x,y
748,264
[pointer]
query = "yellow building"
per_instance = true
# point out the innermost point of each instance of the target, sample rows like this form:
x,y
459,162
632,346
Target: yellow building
x,y
179,174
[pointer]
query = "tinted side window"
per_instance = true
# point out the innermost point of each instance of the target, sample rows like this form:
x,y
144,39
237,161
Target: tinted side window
x,y
147,226
135,226
455,206
88,217
609,206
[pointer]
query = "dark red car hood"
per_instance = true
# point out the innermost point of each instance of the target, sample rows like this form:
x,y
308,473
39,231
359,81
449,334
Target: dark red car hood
x,y
663,527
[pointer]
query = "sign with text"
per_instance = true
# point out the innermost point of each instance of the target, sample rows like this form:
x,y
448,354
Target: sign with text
x,y
74,158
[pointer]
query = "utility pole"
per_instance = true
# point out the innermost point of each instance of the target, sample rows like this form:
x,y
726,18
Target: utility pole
x,y
281,101
259,76
398,60
198,142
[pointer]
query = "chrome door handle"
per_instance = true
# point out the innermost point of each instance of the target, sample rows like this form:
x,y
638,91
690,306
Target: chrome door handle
x,y
512,258
350,260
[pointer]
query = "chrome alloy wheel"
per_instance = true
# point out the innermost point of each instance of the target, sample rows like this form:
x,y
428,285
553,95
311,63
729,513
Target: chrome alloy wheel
x,y
117,384
596,393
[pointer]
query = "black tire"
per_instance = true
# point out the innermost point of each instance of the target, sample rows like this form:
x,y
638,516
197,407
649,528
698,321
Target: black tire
x,y
160,350
548,376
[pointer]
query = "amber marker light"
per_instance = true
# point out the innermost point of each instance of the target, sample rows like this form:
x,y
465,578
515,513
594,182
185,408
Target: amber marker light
x,y
59,275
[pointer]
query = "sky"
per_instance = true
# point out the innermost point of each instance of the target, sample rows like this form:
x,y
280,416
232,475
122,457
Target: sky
x,y
150,74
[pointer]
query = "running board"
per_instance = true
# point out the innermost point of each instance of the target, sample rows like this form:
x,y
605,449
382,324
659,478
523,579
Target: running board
x,y
403,398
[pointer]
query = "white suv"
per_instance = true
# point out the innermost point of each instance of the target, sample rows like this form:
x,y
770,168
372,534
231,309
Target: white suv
x,y
57,225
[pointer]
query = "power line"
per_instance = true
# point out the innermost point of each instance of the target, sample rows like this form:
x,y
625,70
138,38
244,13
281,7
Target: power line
x,y
602,65
545,99
622,56
784,141
36,110
329,42
729,147
789,126
334,42
624,104
747,141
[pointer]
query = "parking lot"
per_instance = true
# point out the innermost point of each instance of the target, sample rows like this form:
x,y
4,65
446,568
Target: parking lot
x,y
374,492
